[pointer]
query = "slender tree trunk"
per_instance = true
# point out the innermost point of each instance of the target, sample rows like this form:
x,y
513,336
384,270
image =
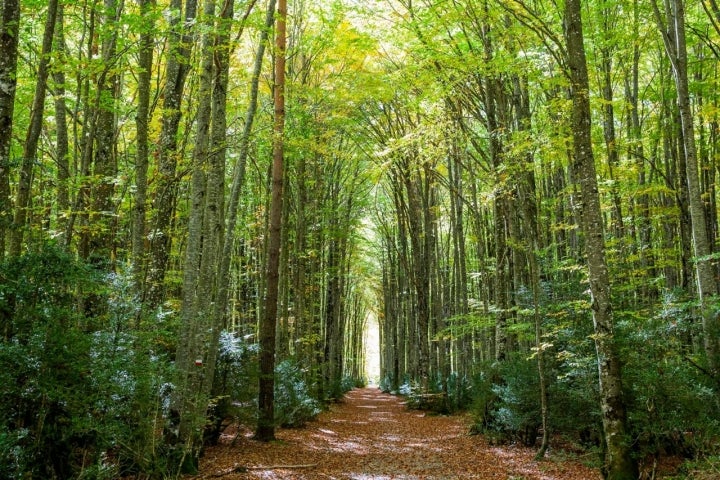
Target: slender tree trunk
x,y
142,119
103,217
176,71
83,136
609,134
238,178
189,403
619,463
215,203
707,287
62,139
420,261
527,200
266,401
32,138
9,36
644,221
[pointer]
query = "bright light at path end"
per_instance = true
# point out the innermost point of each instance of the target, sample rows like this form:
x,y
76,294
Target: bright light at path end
x,y
372,349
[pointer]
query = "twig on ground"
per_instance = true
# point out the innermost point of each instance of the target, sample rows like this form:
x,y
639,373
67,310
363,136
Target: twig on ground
x,y
280,467
243,469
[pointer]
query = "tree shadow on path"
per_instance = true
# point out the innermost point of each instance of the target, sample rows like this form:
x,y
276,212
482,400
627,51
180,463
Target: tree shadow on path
x,y
371,435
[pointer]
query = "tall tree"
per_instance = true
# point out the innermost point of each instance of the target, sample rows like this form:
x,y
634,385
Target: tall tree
x,y
142,119
62,140
619,463
177,68
189,402
9,36
671,23
238,175
265,430
32,138
103,218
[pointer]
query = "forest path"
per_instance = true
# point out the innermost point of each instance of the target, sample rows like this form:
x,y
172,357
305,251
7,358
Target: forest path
x,y
370,435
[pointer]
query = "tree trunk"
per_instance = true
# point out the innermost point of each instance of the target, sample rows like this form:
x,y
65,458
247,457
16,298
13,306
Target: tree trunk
x,y
190,402
266,401
62,140
176,71
619,463
238,177
707,287
9,36
215,203
103,217
32,138
420,261
142,119
527,199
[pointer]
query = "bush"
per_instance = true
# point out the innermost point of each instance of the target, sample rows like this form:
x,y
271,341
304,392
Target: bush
x,y
80,393
506,401
674,407
515,406
293,404
235,385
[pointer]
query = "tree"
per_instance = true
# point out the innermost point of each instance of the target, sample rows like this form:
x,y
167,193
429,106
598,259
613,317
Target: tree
x,y
9,37
619,463
177,68
265,430
142,119
30,147
672,29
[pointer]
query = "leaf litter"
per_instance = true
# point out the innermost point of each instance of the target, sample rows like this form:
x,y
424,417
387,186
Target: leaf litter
x,y
371,435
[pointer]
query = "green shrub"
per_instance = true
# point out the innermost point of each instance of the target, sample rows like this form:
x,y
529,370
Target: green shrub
x,y
235,385
293,404
674,406
506,401
80,390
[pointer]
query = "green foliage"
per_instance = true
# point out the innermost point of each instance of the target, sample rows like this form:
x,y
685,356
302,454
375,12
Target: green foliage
x,y
80,393
386,384
707,468
506,405
673,404
293,404
459,391
235,385
445,396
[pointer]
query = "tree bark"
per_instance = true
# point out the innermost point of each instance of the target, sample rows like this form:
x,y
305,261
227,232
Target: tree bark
x,y
103,218
9,36
707,287
32,137
238,177
189,403
265,430
142,119
176,71
619,463
62,141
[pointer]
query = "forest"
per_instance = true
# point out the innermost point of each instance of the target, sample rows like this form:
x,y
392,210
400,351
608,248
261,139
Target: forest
x,y
206,206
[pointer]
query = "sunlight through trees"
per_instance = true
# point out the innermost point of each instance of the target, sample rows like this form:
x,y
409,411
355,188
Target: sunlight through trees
x,y
220,214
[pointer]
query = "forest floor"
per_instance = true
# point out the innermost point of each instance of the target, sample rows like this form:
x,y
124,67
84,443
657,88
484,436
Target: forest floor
x,y
371,435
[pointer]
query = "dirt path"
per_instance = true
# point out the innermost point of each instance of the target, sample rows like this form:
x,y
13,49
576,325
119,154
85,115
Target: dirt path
x,y
371,436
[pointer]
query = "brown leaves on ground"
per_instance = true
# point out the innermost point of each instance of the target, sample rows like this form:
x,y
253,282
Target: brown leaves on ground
x,y
372,436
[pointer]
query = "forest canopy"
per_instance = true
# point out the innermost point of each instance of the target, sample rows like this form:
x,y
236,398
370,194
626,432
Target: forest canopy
x,y
206,204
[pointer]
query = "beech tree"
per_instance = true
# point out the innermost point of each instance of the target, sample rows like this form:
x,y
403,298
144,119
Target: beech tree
x,y
164,202
9,37
671,23
522,192
619,463
266,402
